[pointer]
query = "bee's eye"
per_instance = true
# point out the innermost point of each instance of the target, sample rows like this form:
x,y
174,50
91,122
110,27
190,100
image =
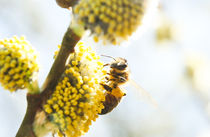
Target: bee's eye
x,y
122,67
114,65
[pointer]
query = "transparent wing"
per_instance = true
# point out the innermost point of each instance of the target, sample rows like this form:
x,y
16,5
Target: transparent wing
x,y
146,96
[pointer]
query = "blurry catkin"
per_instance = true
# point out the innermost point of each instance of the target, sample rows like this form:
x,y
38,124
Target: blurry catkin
x,y
110,20
18,63
164,33
77,98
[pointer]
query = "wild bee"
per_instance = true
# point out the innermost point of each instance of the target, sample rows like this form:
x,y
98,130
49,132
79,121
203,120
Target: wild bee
x,y
118,75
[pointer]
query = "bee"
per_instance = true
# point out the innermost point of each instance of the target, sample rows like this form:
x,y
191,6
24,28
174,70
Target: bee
x,y
118,74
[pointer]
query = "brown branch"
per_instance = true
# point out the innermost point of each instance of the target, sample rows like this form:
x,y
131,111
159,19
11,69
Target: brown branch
x,y
69,41
26,128
35,101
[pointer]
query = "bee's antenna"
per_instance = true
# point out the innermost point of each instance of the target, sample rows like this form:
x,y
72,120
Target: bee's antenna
x,y
109,57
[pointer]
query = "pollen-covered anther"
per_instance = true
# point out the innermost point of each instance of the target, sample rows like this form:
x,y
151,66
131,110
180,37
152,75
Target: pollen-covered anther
x,y
78,97
18,63
110,20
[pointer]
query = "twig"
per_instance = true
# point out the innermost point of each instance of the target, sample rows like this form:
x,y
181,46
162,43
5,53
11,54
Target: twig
x,y
69,41
35,101
26,128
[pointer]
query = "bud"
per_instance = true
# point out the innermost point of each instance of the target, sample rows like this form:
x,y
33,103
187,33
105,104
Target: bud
x,y
66,3
78,97
18,63
110,20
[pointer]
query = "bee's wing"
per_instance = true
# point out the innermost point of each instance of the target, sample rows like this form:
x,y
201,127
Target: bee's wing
x,y
144,93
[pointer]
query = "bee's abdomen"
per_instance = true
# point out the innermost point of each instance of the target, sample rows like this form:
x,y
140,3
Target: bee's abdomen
x,y
109,104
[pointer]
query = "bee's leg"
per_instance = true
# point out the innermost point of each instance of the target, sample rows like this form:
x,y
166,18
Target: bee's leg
x,y
118,76
107,78
108,73
106,65
124,94
107,88
112,79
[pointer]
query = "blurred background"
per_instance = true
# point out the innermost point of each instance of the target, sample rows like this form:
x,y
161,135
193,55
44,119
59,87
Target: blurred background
x,y
170,60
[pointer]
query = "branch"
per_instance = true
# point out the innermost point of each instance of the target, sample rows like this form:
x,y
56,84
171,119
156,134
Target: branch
x,y
35,101
69,41
26,128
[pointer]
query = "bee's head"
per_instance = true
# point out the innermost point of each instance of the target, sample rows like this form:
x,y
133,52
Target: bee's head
x,y
119,63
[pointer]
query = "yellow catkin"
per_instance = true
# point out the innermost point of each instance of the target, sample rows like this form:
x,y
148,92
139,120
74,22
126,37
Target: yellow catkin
x,y
78,97
18,63
103,17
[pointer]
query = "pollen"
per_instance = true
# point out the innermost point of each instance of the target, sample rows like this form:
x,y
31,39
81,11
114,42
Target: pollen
x,y
104,16
56,52
18,63
78,97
